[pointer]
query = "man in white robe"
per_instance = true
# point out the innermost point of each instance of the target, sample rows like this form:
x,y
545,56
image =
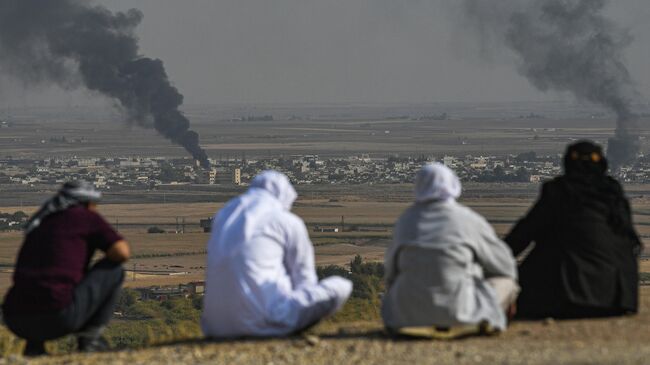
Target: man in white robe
x,y
261,278
446,267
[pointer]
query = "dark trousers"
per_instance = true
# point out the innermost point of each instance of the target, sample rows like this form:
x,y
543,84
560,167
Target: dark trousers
x,y
92,306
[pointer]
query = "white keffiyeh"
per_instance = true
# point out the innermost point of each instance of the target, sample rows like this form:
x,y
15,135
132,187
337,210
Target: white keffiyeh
x,y
71,194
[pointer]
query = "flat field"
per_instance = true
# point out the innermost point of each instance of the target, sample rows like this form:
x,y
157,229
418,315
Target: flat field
x,y
326,131
172,258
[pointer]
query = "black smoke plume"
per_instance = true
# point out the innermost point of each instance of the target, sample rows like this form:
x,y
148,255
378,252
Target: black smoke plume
x,y
73,43
567,45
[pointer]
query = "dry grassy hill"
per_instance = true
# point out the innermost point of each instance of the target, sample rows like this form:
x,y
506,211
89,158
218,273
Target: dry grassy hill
x,y
602,341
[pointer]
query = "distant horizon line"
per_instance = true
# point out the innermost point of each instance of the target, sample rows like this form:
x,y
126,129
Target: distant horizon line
x,y
325,104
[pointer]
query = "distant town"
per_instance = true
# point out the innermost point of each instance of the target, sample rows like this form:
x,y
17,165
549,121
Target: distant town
x,y
150,172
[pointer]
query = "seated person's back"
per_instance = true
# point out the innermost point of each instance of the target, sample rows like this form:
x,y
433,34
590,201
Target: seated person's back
x,y
584,261
261,279
53,260
55,291
442,259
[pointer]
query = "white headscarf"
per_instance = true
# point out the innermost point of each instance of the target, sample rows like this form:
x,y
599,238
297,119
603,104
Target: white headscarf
x,y
436,182
278,185
260,278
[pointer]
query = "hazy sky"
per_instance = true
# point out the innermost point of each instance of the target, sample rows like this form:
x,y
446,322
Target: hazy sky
x,y
269,51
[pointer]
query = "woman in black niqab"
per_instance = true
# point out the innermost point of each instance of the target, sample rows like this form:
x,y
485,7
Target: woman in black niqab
x,y
585,259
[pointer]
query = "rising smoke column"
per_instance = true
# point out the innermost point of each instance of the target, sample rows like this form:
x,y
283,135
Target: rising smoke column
x,y
566,45
72,43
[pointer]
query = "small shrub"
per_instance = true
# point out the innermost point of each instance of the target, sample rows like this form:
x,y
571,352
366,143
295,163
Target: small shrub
x,y
127,299
357,309
155,229
367,277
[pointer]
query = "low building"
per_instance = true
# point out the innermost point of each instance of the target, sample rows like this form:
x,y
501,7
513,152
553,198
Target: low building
x,y
206,224
212,177
371,229
236,176
163,293
196,287
326,229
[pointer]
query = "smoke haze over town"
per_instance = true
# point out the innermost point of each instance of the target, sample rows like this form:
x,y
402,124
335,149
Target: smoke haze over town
x,y
254,51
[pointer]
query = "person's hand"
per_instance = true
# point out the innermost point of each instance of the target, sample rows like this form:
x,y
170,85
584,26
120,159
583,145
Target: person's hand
x,y
512,311
119,251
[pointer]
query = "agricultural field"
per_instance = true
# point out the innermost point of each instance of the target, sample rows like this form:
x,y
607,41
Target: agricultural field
x,y
366,213
178,256
331,131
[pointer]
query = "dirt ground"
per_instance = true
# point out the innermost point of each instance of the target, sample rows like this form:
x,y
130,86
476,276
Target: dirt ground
x,y
615,341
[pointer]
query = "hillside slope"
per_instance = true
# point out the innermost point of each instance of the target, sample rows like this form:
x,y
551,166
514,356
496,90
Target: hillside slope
x,y
600,341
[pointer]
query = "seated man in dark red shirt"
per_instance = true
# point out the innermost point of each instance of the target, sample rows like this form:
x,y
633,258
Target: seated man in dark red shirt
x,y
55,292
